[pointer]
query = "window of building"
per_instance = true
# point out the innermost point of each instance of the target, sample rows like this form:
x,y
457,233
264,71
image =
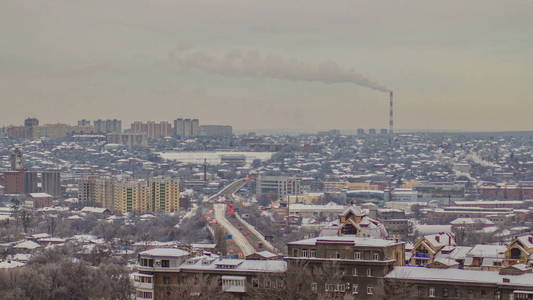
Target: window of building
x,y
267,283
375,256
305,253
337,255
355,289
369,272
457,293
354,272
166,280
471,294
431,292
312,253
330,287
144,295
165,263
314,287
281,285
445,292
421,291
255,283
357,255
370,290
296,253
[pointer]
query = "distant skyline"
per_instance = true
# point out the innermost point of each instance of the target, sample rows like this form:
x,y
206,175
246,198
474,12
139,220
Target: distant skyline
x,y
453,65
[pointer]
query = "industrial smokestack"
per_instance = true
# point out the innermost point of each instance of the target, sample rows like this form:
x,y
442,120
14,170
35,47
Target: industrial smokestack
x,y
391,115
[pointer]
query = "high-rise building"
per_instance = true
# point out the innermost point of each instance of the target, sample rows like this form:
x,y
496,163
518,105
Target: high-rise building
x,y
277,187
216,130
51,182
153,195
165,194
140,196
131,196
54,131
31,125
107,126
98,191
195,127
179,129
152,129
16,131
186,127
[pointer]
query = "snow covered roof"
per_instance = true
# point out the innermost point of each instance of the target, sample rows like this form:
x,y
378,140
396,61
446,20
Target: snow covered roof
x,y
40,195
98,210
266,254
526,240
27,245
10,264
460,276
40,235
424,229
494,251
471,221
204,246
347,239
165,252
446,261
441,239
240,265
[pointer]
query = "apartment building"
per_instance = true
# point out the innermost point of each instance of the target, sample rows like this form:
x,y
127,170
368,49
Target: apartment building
x,y
185,128
141,196
359,264
152,129
97,190
129,139
176,274
108,126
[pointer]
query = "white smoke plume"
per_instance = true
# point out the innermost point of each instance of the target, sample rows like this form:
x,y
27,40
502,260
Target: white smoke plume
x,y
475,158
255,64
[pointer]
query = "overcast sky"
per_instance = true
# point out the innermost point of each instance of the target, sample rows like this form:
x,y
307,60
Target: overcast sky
x,y
452,64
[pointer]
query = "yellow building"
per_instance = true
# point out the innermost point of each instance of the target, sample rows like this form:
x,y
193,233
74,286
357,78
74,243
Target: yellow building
x,y
97,191
410,184
308,198
154,195
165,194
330,186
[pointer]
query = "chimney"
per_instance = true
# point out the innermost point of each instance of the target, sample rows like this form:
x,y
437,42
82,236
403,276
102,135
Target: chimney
x,y
437,238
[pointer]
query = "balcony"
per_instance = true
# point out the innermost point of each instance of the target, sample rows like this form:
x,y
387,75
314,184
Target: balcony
x,y
234,284
143,281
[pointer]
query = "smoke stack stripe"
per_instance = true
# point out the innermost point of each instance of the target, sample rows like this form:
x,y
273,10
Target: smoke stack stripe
x,y
391,116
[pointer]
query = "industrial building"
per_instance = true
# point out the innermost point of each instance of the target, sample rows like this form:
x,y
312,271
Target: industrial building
x,y
277,188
